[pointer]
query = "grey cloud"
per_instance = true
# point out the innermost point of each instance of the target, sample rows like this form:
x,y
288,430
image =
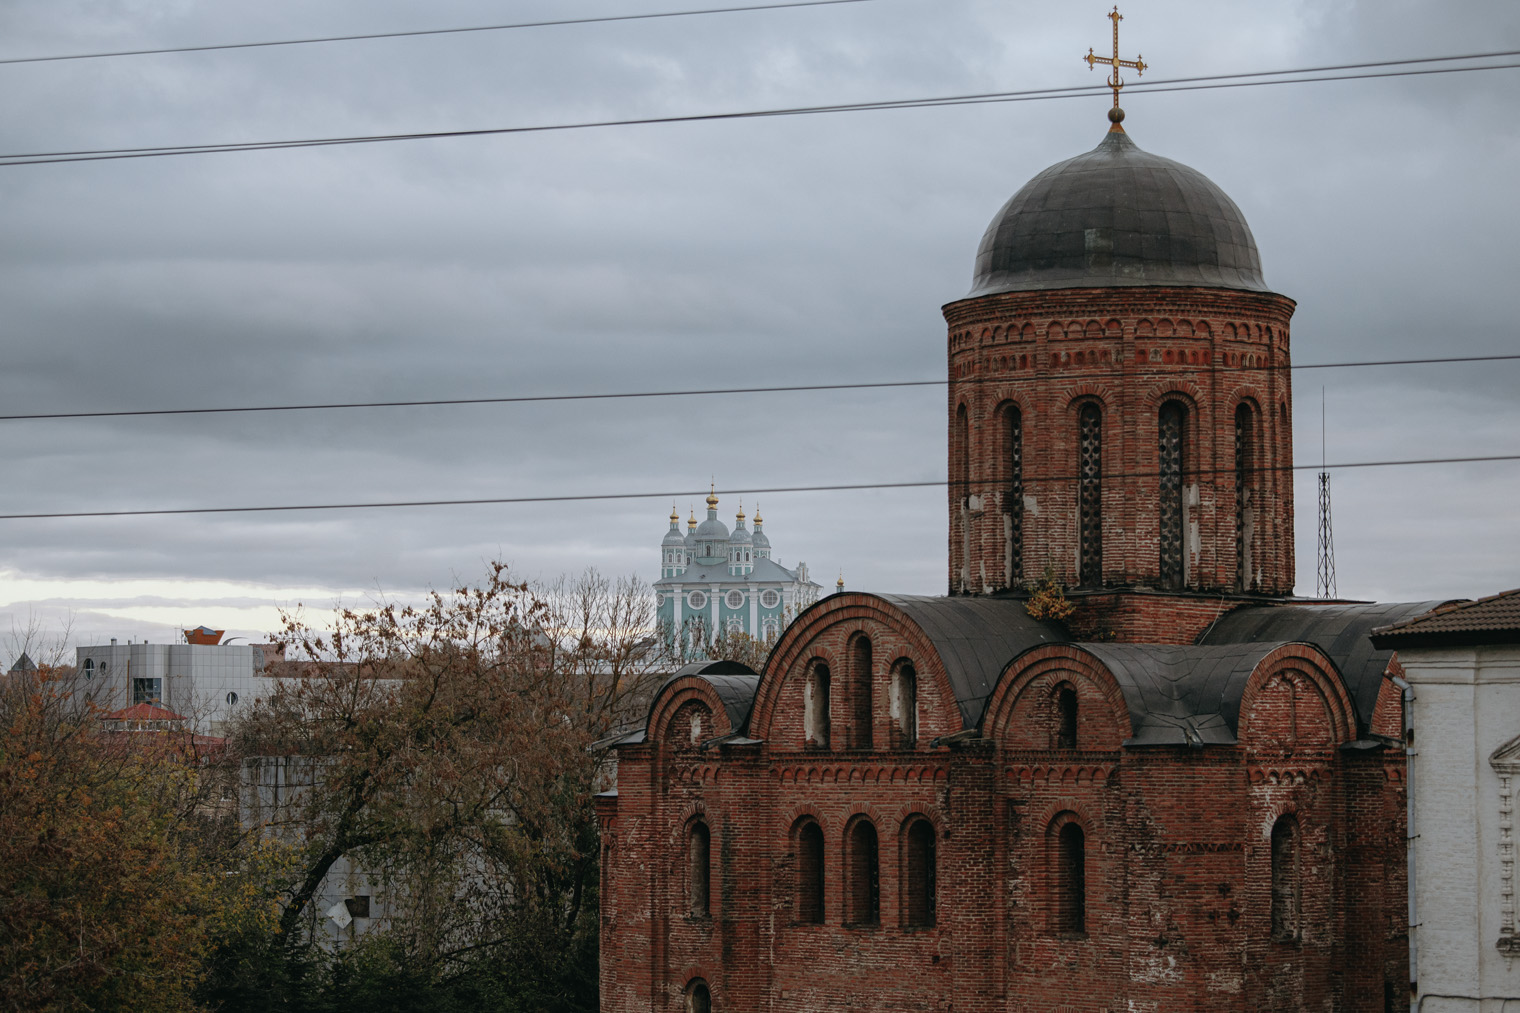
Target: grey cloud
x,y
812,249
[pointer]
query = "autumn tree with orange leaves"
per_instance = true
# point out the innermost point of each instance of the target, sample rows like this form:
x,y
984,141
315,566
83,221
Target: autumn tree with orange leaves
x,y
103,901
449,749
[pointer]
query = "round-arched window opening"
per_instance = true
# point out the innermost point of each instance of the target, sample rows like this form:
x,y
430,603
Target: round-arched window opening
x,y
698,998
89,668
735,599
232,699
697,600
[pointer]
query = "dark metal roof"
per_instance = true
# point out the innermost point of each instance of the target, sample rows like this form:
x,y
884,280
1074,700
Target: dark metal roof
x,y
1183,696
975,638
1491,620
734,683
1341,631
1117,216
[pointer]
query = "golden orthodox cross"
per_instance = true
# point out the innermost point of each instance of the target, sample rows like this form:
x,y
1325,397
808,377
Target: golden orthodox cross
x,y
1115,82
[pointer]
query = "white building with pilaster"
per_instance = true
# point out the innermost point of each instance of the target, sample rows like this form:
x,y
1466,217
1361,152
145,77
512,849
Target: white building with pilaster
x,y
1462,711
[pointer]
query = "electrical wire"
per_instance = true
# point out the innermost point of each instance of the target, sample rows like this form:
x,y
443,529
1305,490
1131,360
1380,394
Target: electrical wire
x,y
428,31
621,395
687,493
1028,95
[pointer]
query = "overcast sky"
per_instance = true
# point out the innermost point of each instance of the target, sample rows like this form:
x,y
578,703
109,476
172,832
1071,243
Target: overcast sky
x,y
776,251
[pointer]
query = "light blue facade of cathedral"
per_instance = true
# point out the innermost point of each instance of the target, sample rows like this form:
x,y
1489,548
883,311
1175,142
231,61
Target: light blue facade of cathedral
x,y
714,581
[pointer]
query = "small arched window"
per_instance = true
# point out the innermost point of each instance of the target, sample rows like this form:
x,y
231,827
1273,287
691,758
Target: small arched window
x,y
1071,878
860,692
810,873
698,997
1090,495
1245,495
919,863
904,701
1172,424
89,668
1065,717
863,896
815,710
699,853
1013,495
1286,884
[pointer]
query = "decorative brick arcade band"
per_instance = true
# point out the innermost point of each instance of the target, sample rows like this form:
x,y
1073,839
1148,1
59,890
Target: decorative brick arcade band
x,y
1086,376
927,801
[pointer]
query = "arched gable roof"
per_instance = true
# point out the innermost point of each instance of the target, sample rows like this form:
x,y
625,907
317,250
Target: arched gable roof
x,y
1341,631
975,638
1181,695
732,683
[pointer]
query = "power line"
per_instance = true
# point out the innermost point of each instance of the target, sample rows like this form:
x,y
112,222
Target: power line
x,y
624,395
428,31
687,493
1028,95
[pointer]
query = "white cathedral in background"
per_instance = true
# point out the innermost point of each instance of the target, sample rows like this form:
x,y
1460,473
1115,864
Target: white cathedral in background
x,y
713,581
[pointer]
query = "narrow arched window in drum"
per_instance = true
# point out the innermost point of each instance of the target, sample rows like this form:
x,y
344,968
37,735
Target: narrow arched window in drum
x,y
1090,495
1173,513
1013,495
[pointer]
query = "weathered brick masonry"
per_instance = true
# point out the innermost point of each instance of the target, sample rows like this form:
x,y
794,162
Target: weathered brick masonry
x,y
1187,797
1178,856
1127,351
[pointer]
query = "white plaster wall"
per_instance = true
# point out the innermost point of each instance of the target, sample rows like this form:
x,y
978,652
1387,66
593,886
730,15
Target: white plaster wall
x,y
1466,705
197,678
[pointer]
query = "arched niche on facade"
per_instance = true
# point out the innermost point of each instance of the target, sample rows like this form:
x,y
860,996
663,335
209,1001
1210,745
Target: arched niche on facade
x,y
1295,701
686,712
1054,691
824,635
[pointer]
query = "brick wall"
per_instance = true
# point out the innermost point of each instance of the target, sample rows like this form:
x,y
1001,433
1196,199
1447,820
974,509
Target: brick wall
x,y
1178,871
1129,350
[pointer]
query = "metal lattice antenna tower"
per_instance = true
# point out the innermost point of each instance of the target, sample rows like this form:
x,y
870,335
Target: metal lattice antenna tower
x,y
1324,577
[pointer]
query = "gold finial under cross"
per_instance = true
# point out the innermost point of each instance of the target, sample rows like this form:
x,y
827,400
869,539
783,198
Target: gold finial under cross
x,y
1114,81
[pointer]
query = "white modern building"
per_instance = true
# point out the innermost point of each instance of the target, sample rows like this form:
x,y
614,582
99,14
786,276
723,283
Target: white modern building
x,y
205,683
1461,663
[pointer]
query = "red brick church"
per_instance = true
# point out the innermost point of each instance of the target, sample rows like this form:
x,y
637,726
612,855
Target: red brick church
x,y
1186,796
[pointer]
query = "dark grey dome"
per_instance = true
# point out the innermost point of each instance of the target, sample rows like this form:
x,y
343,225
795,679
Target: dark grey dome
x,y
1117,216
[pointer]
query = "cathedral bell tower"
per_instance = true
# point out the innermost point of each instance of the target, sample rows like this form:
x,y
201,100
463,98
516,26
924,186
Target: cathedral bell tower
x,y
1120,396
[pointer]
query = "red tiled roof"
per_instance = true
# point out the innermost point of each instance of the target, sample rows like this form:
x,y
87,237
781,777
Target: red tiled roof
x,y
143,712
1491,620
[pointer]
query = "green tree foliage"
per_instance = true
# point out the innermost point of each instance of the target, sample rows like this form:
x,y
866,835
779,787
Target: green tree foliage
x,y
102,902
